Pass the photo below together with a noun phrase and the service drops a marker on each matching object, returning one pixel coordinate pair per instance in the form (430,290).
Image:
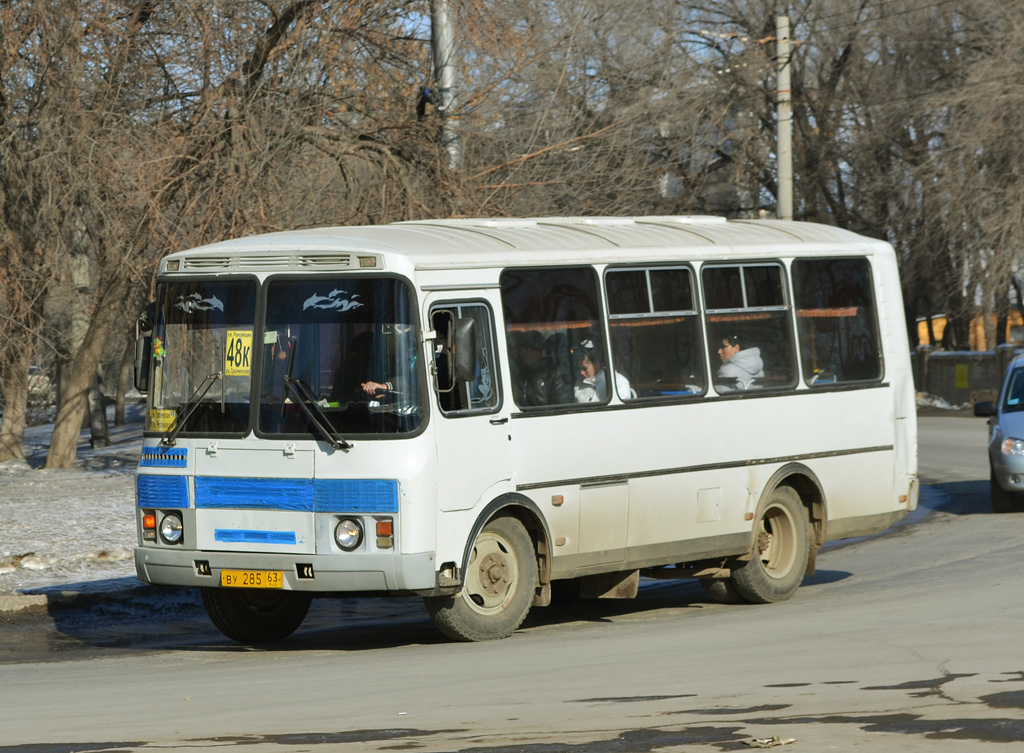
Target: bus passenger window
(750,336)
(655,331)
(549,313)
(838,329)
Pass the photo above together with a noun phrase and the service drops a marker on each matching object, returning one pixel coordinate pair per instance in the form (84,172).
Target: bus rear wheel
(497,589)
(721,590)
(255,615)
(781,549)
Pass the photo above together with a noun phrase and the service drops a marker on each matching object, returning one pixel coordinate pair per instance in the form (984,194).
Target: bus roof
(437,244)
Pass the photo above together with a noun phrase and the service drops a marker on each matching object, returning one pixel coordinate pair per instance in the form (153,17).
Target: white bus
(470,410)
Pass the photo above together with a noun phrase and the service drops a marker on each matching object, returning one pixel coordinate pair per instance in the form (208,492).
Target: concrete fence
(961,377)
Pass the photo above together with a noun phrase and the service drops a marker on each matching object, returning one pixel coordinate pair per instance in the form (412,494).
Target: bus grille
(282,261)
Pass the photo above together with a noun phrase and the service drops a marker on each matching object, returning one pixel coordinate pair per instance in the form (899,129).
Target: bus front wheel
(497,589)
(253,615)
(781,550)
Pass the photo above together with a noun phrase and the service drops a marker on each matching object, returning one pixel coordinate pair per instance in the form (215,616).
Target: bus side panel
(695,471)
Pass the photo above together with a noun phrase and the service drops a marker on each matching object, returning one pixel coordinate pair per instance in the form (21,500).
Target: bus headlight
(171,528)
(348,533)
(1013,446)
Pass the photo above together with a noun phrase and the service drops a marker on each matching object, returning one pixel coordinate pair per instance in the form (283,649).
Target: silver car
(1006,439)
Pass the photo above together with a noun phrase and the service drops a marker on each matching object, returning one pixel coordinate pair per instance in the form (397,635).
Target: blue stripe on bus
(230,536)
(355,495)
(299,495)
(214,492)
(162,491)
(164,457)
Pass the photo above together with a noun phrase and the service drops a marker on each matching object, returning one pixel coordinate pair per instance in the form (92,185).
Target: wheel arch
(528,513)
(805,483)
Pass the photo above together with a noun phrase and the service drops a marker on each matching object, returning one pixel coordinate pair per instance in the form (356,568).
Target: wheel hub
(494,577)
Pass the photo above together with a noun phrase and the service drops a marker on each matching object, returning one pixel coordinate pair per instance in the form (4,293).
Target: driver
(404,380)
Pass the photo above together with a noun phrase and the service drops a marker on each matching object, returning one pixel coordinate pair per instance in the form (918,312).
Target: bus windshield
(346,348)
(202,344)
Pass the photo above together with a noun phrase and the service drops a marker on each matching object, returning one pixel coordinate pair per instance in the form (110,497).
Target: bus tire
(781,549)
(721,590)
(1002,500)
(255,615)
(497,588)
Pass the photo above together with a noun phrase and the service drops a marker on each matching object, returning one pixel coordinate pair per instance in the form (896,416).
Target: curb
(14,603)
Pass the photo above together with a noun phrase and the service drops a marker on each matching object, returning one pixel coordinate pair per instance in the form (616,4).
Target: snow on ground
(924,400)
(70,526)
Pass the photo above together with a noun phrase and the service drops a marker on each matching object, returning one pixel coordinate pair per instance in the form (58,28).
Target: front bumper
(313,573)
(1008,470)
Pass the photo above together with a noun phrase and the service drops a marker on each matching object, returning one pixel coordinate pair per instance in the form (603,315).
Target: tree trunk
(99,434)
(72,411)
(14,373)
(125,377)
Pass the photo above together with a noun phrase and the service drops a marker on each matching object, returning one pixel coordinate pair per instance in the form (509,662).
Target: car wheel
(1002,500)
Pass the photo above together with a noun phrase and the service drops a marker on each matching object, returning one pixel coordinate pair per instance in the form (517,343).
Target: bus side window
(552,316)
(655,331)
(749,331)
(479,394)
(836,320)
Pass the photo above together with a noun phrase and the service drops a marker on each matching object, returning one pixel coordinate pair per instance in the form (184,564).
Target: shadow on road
(956,498)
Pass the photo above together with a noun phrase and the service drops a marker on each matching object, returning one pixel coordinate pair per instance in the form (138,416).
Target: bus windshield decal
(196,302)
(332,300)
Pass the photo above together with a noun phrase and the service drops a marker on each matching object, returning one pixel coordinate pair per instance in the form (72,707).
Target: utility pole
(442,39)
(784,117)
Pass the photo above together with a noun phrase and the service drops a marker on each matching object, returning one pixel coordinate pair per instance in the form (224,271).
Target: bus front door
(473,448)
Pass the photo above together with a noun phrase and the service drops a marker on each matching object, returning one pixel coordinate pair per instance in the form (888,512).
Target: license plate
(252,578)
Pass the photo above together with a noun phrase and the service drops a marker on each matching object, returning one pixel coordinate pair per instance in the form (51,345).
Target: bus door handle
(499,421)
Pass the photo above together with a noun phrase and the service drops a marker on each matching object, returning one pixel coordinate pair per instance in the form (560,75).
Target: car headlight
(348,533)
(1012,446)
(171,528)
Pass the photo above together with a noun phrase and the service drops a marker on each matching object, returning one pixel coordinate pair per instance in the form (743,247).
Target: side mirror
(985,408)
(455,350)
(144,347)
(464,350)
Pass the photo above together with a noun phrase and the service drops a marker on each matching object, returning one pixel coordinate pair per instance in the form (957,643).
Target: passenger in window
(740,366)
(536,379)
(593,384)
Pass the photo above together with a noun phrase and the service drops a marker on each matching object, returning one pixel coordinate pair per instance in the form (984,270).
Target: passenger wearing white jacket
(593,384)
(740,366)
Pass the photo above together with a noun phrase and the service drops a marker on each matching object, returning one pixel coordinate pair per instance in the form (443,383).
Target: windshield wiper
(315,414)
(167,440)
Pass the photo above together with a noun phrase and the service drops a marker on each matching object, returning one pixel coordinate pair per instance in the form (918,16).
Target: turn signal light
(149,527)
(385,534)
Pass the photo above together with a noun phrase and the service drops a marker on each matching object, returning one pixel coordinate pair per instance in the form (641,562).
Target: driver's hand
(373,389)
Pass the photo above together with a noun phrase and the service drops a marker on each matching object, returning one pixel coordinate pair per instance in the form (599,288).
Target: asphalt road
(907,641)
